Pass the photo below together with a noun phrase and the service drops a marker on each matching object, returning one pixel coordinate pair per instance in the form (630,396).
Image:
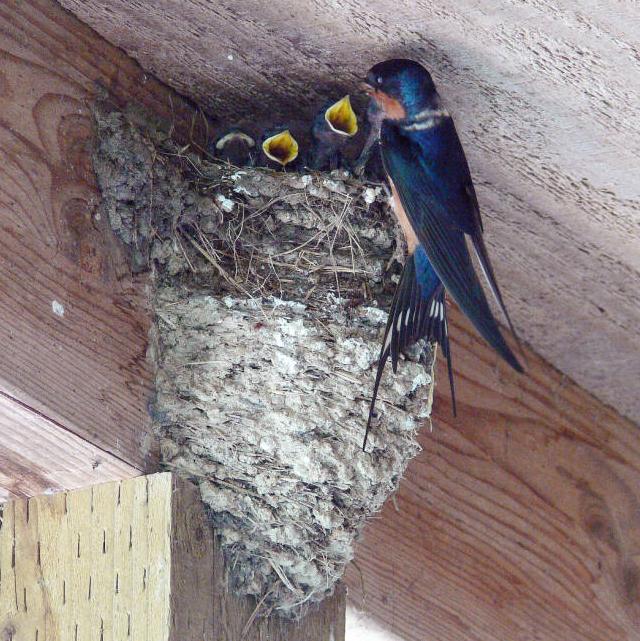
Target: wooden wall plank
(519,520)
(74,324)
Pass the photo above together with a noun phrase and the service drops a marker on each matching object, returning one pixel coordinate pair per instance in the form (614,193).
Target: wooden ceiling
(545,96)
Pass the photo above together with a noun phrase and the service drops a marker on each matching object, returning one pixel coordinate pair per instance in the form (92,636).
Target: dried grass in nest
(266,340)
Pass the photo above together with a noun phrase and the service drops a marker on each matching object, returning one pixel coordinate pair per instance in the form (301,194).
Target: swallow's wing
(440,225)
(440,155)
(418,311)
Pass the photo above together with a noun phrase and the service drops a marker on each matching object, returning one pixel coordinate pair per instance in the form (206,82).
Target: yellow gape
(341,117)
(281,147)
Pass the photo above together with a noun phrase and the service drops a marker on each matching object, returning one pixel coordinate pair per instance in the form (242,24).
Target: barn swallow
(235,147)
(434,201)
(332,127)
(280,147)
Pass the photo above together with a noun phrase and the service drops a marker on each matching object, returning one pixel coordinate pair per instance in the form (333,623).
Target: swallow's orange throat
(391,107)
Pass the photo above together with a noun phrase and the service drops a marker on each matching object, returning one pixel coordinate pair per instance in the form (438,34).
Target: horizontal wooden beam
(131,559)
(39,456)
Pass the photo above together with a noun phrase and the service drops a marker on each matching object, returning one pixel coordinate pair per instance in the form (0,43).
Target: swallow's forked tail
(418,311)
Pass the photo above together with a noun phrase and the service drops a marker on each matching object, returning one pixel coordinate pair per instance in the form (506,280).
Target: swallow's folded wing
(440,235)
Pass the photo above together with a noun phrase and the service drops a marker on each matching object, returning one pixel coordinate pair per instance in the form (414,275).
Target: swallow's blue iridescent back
(439,211)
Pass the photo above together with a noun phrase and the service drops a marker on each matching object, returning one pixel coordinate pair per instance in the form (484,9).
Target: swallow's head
(235,147)
(401,88)
(341,118)
(234,136)
(282,147)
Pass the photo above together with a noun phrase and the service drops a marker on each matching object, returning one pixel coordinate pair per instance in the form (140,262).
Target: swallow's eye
(379,80)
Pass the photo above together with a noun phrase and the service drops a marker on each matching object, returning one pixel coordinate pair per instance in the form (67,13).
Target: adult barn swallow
(435,203)
(332,127)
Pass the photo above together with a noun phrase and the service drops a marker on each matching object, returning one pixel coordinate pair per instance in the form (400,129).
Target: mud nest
(270,291)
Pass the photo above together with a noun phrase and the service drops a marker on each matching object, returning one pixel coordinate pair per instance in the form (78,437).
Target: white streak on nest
(226,204)
(369,195)
(266,406)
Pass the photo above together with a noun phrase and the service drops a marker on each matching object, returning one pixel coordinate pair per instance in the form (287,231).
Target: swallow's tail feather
(418,311)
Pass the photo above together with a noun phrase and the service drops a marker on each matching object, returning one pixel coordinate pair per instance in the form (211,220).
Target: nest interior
(270,291)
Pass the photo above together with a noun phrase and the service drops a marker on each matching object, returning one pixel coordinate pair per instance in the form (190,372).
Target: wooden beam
(520,520)
(129,560)
(39,456)
(74,324)
(108,562)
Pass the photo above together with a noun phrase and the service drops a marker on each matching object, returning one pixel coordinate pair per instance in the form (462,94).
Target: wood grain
(519,520)
(74,324)
(39,456)
(100,563)
(543,93)
(131,559)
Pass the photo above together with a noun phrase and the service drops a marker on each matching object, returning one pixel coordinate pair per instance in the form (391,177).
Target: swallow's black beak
(341,117)
(281,148)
